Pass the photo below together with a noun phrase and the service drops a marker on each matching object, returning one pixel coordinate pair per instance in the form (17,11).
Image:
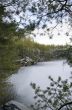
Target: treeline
(39,52)
(28,48)
(69,55)
(17,49)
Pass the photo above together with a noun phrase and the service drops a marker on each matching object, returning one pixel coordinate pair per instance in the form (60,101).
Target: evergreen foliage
(56,96)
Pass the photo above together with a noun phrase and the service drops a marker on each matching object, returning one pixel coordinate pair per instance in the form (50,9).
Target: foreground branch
(68,103)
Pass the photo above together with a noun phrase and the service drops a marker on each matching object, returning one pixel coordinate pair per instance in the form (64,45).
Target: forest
(18,49)
(18,19)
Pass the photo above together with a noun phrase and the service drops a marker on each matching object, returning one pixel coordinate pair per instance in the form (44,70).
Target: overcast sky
(61,39)
(55,40)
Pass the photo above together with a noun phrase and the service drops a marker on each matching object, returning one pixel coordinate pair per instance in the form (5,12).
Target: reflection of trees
(69,55)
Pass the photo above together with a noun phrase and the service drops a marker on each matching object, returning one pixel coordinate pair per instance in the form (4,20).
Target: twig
(68,103)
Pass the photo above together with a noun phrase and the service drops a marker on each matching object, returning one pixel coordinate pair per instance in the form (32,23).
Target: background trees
(29,14)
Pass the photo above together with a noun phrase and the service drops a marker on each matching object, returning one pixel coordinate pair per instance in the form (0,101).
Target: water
(38,74)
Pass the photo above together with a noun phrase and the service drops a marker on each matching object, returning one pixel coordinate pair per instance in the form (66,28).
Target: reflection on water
(38,74)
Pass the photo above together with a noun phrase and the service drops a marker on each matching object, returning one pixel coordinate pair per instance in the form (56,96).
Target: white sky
(61,39)
(58,40)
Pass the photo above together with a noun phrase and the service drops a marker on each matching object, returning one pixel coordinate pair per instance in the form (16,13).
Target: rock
(14,105)
(26,61)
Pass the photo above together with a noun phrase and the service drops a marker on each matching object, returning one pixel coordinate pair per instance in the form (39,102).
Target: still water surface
(38,74)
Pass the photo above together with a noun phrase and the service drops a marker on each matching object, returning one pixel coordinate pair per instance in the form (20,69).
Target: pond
(37,74)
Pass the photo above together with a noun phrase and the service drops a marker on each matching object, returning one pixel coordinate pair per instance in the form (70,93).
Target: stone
(14,105)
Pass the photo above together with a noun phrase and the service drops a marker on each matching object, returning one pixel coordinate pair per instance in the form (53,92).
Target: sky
(56,40)
(61,39)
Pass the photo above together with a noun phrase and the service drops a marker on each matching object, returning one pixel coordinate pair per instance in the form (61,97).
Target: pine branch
(68,103)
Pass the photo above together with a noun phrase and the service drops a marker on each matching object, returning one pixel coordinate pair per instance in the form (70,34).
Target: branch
(68,103)
(61,9)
